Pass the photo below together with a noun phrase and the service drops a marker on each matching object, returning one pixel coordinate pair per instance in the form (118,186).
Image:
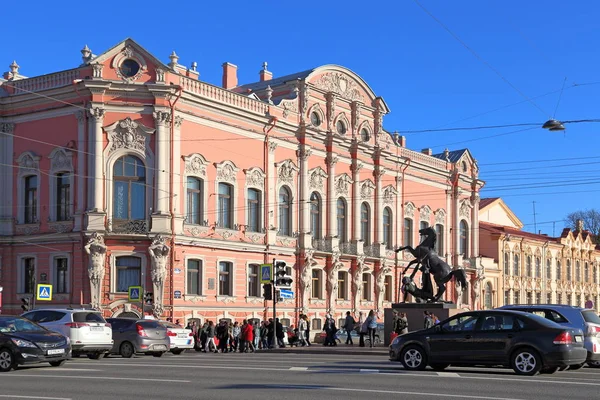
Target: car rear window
(169,325)
(150,324)
(591,317)
(87,317)
(543,321)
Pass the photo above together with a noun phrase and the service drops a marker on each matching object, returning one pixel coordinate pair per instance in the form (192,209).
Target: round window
(315,119)
(341,127)
(364,135)
(129,68)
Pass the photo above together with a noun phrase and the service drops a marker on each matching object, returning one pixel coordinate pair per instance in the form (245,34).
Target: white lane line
(370,371)
(15,396)
(65,369)
(299,369)
(449,374)
(109,378)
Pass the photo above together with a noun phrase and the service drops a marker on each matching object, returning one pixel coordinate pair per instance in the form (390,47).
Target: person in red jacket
(248,337)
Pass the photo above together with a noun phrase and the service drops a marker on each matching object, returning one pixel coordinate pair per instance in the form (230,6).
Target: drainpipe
(402,205)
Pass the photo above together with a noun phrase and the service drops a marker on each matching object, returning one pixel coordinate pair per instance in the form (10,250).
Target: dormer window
(464,166)
(315,119)
(364,135)
(129,68)
(340,127)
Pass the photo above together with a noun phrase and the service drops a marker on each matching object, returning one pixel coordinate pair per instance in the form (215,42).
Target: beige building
(527,268)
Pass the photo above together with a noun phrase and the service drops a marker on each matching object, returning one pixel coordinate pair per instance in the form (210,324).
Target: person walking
(349,327)
(302,331)
(279,333)
(210,337)
(307,330)
(248,337)
(241,341)
(362,329)
(235,333)
(371,323)
(403,324)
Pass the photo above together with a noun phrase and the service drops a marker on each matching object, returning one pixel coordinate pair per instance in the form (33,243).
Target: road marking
(111,378)
(299,369)
(371,371)
(449,374)
(14,396)
(63,369)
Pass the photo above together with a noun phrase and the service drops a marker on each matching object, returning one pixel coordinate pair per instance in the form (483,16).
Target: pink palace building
(124,171)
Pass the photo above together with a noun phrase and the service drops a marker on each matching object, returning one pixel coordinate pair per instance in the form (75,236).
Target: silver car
(574,317)
(133,336)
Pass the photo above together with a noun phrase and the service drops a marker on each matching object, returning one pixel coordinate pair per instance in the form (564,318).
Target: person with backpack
(349,327)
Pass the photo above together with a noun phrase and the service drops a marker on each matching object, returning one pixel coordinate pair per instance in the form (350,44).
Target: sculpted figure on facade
(96,250)
(159,256)
(380,285)
(479,277)
(357,282)
(332,280)
(306,278)
(458,292)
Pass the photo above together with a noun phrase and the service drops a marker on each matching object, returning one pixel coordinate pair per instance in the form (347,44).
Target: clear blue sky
(427,77)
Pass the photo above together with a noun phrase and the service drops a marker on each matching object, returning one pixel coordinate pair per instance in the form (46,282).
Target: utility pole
(274,309)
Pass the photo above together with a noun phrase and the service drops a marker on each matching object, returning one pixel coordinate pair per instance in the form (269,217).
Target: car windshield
(590,316)
(11,325)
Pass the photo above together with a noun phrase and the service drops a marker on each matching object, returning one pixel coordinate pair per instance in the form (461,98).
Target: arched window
(129,180)
(365,224)
(569,270)
(528,266)
(577,271)
(423,224)
(558,270)
(225,206)
(387,228)
(464,239)
(285,212)
(341,220)
(538,267)
(506,263)
(516,267)
(586,272)
(548,268)
(408,232)
(488,301)
(195,201)
(315,215)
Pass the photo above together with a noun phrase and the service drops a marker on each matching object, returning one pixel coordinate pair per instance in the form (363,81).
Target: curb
(343,351)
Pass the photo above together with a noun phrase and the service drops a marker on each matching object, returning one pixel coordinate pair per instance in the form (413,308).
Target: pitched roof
(453,156)
(483,203)
(507,230)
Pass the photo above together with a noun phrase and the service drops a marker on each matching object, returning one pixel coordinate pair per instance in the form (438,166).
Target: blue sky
(427,77)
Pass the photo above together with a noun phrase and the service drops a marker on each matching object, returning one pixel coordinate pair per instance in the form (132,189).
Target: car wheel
(549,370)
(575,367)
(7,361)
(95,356)
(413,358)
(526,361)
(439,367)
(126,350)
(58,363)
(177,351)
(158,354)
(594,364)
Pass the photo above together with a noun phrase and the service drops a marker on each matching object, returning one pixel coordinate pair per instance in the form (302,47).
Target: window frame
(366,286)
(365,223)
(230,278)
(342,220)
(439,244)
(190,195)
(63,196)
(130,181)
(117,268)
(284,219)
(31,194)
(342,285)
(317,284)
(256,205)
(315,211)
(199,277)
(408,231)
(225,206)
(55,281)
(463,238)
(388,228)
(256,283)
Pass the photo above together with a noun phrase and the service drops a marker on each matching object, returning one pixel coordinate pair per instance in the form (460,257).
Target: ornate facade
(126,171)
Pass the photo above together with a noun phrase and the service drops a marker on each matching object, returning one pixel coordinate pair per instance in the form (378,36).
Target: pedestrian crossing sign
(135,293)
(266,273)
(44,292)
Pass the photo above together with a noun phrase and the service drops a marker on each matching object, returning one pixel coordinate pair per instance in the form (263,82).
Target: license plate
(56,351)
(96,328)
(182,335)
(578,339)
(160,347)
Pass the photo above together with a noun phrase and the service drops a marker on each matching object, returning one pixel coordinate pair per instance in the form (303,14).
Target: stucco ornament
(332,280)
(317,179)
(409,210)
(465,208)
(255,178)
(286,172)
(159,256)
(479,277)
(425,213)
(195,164)
(96,250)
(366,189)
(306,278)
(342,185)
(357,282)
(128,134)
(380,285)
(226,172)
(389,194)
(339,83)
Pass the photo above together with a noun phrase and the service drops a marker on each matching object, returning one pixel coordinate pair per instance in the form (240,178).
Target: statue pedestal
(415,316)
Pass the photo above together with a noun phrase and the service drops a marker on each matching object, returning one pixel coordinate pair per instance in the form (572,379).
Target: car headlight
(23,343)
(396,340)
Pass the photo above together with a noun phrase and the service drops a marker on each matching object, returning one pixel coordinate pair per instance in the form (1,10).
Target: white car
(88,331)
(181,338)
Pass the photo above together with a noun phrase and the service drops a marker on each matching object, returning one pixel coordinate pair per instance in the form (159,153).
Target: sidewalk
(340,349)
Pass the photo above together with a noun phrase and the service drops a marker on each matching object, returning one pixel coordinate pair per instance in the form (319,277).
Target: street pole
(274,308)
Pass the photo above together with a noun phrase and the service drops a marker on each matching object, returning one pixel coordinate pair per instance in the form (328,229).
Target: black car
(525,342)
(25,342)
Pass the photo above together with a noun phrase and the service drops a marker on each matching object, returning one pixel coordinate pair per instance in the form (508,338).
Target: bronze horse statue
(431,264)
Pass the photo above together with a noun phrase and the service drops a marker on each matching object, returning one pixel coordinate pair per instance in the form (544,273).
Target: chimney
(579,225)
(229,75)
(401,141)
(264,74)
(427,151)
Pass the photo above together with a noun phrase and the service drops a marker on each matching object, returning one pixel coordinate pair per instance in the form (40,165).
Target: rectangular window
(61,275)
(195,201)
(316,283)
(388,288)
(538,298)
(342,285)
(408,232)
(517,299)
(253,210)
(507,297)
(28,277)
(529,298)
(31,200)
(225,206)
(439,244)
(225,269)
(63,197)
(194,277)
(129,271)
(548,268)
(253,281)
(316,325)
(548,298)
(366,282)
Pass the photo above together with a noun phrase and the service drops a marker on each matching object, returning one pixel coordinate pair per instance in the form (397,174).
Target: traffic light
(26,306)
(282,279)
(148,298)
(268,291)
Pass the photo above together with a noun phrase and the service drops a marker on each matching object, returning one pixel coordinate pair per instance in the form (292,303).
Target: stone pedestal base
(95,221)
(161,223)
(415,316)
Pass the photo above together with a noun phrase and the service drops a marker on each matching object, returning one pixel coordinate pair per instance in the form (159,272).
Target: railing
(348,248)
(423,158)
(371,251)
(321,244)
(223,96)
(139,226)
(50,81)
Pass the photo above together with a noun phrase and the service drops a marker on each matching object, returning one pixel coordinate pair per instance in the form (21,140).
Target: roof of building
(483,203)
(507,230)
(452,156)
(273,82)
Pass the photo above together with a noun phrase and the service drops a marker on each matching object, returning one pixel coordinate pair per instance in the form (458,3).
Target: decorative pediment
(425,213)
(128,134)
(389,195)
(465,208)
(440,216)
(255,178)
(317,177)
(409,209)
(366,189)
(195,164)
(286,171)
(28,163)
(340,84)
(61,160)
(342,185)
(226,172)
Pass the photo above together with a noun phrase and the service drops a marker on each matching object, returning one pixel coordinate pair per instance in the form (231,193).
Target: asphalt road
(271,375)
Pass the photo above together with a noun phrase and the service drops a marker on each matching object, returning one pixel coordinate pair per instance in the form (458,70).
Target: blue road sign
(286,294)
(44,292)
(266,273)
(135,293)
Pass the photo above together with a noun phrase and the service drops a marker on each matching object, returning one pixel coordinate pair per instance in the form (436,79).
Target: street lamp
(556,125)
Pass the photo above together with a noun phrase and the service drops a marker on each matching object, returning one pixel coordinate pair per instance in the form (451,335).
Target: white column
(356,167)
(331,160)
(6,178)
(81,157)
(304,208)
(378,214)
(162,193)
(272,200)
(96,176)
(475,229)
